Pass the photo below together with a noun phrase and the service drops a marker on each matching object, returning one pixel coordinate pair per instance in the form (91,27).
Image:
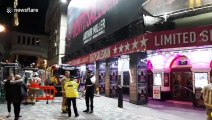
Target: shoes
(16,119)
(69,115)
(19,116)
(86,110)
(64,111)
(8,116)
(91,111)
(76,115)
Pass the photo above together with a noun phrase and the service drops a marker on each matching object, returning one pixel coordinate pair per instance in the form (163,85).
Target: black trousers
(73,100)
(17,108)
(89,95)
(9,105)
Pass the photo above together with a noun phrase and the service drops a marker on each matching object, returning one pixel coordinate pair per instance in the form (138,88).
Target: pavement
(106,109)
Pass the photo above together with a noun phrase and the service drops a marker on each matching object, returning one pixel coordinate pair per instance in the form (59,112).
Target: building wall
(4,45)
(13,44)
(56,26)
(28,44)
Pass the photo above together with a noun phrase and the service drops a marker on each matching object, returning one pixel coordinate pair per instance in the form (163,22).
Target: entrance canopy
(180,38)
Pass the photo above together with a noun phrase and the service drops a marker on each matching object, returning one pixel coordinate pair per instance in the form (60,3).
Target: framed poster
(142,92)
(142,74)
(156,92)
(102,77)
(157,79)
(142,83)
(166,80)
(200,79)
(113,77)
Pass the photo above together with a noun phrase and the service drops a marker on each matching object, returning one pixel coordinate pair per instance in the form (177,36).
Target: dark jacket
(8,90)
(19,90)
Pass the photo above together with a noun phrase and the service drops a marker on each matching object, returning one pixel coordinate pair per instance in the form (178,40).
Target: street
(106,109)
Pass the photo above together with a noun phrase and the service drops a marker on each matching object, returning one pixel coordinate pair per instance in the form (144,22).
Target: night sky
(28,22)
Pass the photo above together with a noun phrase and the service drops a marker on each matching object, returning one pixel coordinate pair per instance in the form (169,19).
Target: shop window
(28,40)
(37,42)
(33,41)
(19,40)
(24,40)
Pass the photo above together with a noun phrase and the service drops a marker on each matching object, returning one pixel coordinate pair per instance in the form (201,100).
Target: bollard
(120,97)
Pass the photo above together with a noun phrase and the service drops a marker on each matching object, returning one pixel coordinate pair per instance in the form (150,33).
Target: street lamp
(2,28)
(63,1)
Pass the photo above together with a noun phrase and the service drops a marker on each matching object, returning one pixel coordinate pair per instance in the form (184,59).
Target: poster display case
(166,80)
(113,77)
(102,77)
(142,83)
(157,79)
(200,80)
(156,92)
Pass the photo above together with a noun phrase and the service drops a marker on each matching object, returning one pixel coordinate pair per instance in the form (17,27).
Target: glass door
(182,86)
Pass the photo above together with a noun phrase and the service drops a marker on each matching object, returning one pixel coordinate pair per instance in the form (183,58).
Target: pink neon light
(200,59)
(179,58)
(158,61)
(149,65)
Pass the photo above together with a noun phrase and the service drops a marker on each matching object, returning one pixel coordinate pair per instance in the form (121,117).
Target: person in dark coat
(89,94)
(7,88)
(19,91)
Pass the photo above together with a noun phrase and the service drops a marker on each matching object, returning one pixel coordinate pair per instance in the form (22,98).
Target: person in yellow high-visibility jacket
(207,97)
(71,92)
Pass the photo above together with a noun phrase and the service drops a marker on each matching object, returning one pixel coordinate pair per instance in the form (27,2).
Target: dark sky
(32,22)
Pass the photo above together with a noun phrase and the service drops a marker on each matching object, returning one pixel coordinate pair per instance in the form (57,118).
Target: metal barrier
(48,93)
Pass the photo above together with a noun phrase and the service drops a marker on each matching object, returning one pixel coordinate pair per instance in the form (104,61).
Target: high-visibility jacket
(63,81)
(207,95)
(71,89)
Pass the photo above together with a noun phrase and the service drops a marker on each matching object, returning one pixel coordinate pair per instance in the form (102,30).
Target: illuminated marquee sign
(92,20)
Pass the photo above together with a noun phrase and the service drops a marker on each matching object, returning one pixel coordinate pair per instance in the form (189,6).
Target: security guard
(71,91)
(89,94)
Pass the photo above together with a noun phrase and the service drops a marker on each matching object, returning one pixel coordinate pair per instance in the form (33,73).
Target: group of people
(70,93)
(15,91)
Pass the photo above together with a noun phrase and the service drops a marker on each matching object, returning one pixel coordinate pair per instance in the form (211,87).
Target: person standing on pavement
(71,91)
(19,90)
(8,91)
(63,81)
(207,97)
(89,94)
(37,81)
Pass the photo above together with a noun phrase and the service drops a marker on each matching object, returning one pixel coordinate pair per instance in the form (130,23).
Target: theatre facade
(165,64)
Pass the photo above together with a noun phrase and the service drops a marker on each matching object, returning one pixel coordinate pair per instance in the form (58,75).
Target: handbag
(24,92)
(93,79)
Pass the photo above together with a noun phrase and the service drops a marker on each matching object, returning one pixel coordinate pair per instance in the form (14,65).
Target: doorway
(182,85)
(124,75)
(150,83)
